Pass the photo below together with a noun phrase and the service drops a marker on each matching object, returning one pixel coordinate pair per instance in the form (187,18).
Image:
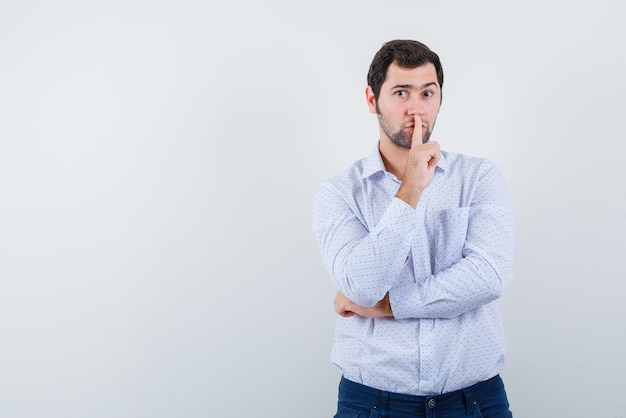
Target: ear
(371,100)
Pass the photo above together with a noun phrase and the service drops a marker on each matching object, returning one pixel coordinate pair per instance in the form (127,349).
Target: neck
(394,157)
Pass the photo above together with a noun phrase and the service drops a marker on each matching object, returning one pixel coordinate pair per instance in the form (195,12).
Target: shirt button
(432,403)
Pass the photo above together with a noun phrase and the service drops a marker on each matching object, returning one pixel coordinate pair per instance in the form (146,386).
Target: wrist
(386,306)
(409,193)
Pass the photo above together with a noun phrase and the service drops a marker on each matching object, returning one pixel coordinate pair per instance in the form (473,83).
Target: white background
(157,161)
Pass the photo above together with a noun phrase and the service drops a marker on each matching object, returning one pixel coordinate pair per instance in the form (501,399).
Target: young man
(419,242)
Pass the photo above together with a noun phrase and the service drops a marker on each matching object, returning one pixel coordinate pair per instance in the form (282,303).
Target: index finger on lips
(417,131)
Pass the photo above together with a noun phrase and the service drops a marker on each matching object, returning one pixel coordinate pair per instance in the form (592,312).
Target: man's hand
(420,166)
(346,308)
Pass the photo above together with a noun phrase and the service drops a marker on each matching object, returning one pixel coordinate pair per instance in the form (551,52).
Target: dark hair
(406,54)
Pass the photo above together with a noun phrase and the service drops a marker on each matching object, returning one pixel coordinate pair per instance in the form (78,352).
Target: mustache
(411,124)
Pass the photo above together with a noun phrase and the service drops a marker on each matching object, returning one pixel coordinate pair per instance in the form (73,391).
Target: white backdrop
(157,161)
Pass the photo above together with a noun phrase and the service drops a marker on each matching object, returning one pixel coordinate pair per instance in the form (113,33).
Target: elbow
(365,296)
(493,291)
(492,278)
(362,290)
(498,282)
(361,285)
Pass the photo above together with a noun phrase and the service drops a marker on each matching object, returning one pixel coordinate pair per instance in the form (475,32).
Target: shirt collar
(374,163)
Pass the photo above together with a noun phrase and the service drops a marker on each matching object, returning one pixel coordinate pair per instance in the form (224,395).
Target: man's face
(405,93)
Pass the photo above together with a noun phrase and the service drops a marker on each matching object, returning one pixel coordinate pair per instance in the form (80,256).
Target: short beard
(401,138)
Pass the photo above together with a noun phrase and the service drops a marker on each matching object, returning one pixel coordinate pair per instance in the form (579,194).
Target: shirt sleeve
(363,263)
(484,268)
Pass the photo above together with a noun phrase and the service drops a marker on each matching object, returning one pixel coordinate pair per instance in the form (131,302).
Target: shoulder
(348,179)
(339,192)
(456,159)
(479,175)
(467,165)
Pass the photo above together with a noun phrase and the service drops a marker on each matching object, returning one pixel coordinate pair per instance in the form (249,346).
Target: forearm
(364,259)
(469,284)
(366,268)
(346,308)
(477,278)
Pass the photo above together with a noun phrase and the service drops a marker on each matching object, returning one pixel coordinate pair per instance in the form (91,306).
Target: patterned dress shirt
(444,264)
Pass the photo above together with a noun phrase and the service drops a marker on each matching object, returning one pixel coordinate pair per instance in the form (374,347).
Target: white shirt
(444,264)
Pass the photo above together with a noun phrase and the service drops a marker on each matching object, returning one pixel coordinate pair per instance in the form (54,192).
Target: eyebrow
(408,86)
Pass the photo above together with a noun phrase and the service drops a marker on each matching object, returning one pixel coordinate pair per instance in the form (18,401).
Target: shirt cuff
(401,219)
(405,301)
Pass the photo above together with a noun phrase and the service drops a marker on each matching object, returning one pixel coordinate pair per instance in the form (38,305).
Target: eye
(428,93)
(401,93)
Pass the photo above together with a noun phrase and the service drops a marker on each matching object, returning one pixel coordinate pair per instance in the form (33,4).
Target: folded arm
(478,276)
(363,263)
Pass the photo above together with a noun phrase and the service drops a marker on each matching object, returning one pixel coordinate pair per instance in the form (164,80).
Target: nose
(416,108)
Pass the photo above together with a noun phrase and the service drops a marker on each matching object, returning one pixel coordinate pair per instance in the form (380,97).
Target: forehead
(423,74)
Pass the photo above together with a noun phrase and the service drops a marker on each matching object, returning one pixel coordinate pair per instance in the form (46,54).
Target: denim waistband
(462,398)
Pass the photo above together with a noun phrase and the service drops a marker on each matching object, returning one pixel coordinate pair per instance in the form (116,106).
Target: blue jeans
(483,400)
